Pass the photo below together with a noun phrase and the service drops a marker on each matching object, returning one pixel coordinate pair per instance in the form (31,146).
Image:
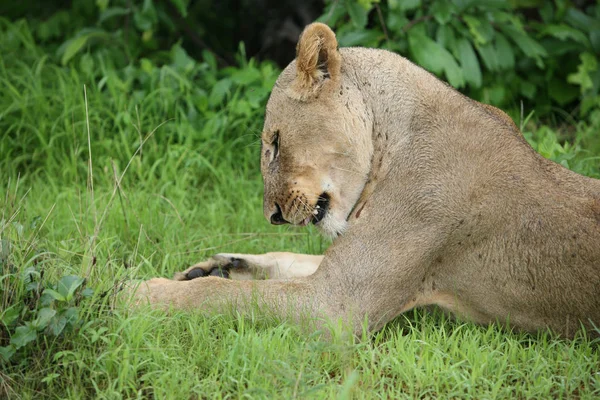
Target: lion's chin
(332,226)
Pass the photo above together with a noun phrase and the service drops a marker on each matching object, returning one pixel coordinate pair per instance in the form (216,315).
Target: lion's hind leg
(277,265)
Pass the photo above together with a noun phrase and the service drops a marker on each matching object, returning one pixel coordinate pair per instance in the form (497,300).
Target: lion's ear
(318,60)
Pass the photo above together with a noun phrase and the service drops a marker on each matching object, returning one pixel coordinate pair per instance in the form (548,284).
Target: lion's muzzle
(277,216)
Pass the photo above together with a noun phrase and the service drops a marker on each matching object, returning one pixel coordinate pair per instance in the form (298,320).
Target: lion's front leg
(276,265)
(293,300)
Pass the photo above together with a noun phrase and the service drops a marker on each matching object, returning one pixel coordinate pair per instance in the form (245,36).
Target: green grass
(192,190)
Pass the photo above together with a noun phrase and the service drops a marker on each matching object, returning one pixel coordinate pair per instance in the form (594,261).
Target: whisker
(317,198)
(255,143)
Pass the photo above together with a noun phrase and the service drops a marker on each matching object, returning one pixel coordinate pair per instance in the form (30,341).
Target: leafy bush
(33,304)
(499,52)
(49,310)
(142,28)
(538,52)
(577,149)
(130,29)
(147,95)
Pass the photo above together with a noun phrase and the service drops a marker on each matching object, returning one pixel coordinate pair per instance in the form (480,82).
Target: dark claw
(219,272)
(196,273)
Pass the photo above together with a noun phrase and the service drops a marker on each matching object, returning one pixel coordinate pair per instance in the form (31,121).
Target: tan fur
(274,265)
(434,199)
(318,61)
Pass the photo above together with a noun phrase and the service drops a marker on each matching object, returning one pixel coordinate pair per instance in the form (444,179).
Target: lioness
(433,199)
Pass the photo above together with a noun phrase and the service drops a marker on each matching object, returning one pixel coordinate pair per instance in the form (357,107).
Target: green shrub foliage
(537,54)
(542,53)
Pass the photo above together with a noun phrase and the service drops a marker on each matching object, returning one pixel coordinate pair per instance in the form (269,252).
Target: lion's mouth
(318,212)
(320,209)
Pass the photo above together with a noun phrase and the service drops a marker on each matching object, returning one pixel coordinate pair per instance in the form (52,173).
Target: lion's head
(316,142)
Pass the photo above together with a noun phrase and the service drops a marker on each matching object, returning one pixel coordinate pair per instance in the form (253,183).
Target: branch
(412,23)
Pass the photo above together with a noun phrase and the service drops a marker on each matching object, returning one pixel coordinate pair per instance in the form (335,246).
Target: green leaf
(362,37)
(367,4)
(453,72)
(73,47)
(481,30)
(255,97)
(180,58)
(469,62)
(57,324)
(210,59)
(7,352)
(49,378)
(332,13)
(462,5)
(489,56)
(497,93)
(68,285)
(357,13)
(219,91)
(582,77)
(506,56)
(589,103)
(22,336)
(442,11)
(87,65)
(55,295)
(433,57)
(503,18)
(406,5)
(30,274)
(43,318)
(562,92)
(146,65)
(32,287)
(556,47)
(71,314)
(396,21)
(102,4)
(246,76)
(530,47)
(548,146)
(111,13)
(528,89)
(182,6)
(146,18)
(446,37)
(425,53)
(577,18)
(46,299)
(546,12)
(10,314)
(595,40)
(564,32)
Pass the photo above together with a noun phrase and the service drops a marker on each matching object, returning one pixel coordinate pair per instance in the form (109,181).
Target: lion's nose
(277,217)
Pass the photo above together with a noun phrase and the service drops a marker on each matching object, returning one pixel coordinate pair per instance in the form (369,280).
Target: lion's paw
(221,272)
(219,265)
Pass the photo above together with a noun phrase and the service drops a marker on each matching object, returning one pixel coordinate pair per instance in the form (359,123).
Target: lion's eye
(275,144)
